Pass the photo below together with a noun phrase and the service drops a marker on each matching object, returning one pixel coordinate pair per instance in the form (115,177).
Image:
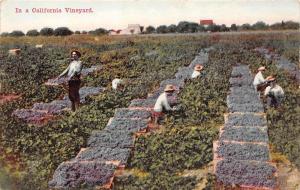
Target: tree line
(181,27)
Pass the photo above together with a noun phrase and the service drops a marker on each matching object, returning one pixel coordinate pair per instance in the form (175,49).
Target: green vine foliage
(186,140)
(283,123)
(188,134)
(42,149)
(155,181)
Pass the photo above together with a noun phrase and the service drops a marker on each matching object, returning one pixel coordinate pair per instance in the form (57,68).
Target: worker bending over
(117,84)
(274,93)
(197,71)
(162,105)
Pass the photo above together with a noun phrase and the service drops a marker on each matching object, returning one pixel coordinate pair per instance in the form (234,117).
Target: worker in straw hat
(273,92)
(73,72)
(259,82)
(197,71)
(162,105)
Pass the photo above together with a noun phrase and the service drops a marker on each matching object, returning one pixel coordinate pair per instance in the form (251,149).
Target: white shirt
(258,79)
(276,91)
(115,83)
(75,67)
(162,102)
(195,74)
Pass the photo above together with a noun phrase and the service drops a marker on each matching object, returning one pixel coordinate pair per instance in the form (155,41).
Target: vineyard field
(109,141)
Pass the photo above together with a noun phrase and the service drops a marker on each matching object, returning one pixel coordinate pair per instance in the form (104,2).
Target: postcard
(149,94)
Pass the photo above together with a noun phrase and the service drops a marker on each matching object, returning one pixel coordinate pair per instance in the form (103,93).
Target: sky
(117,14)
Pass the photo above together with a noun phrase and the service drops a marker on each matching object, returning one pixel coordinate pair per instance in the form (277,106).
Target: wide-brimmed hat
(169,88)
(261,68)
(270,78)
(198,67)
(77,53)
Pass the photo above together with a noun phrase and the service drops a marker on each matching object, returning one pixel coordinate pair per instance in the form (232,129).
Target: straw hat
(14,51)
(271,78)
(169,88)
(77,52)
(198,67)
(261,68)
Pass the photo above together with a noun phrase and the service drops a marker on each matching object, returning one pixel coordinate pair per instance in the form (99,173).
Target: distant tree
(233,27)
(142,28)
(161,29)
(277,26)
(200,28)
(291,25)
(32,33)
(77,32)
(46,31)
(62,31)
(16,33)
(224,28)
(150,29)
(99,31)
(192,27)
(4,34)
(84,32)
(246,27)
(260,25)
(183,27)
(171,28)
(214,28)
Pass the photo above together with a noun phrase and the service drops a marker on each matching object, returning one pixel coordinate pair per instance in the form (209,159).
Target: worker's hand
(174,109)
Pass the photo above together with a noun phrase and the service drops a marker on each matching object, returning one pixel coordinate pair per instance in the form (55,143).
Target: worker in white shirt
(162,105)
(197,71)
(117,84)
(259,82)
(73,72)
(273,92)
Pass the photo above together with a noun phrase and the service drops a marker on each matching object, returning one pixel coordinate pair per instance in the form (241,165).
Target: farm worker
(73,72)
(197,71)
(274,93)
(117,84)
(259,81)
(162,105)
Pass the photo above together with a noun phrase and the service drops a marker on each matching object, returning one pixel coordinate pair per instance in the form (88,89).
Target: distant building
(206,22)
(131,29)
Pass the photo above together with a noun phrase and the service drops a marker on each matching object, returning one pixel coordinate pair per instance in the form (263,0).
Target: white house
(131,29)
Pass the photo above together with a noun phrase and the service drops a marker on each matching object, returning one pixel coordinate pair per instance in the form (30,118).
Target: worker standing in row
(73,72)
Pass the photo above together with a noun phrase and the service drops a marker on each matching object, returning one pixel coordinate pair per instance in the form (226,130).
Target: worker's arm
(281,92)
(267,91)
(166,103)
(64,72)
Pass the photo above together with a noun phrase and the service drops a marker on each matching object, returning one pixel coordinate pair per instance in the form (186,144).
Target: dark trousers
(74,86)
(273,102)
